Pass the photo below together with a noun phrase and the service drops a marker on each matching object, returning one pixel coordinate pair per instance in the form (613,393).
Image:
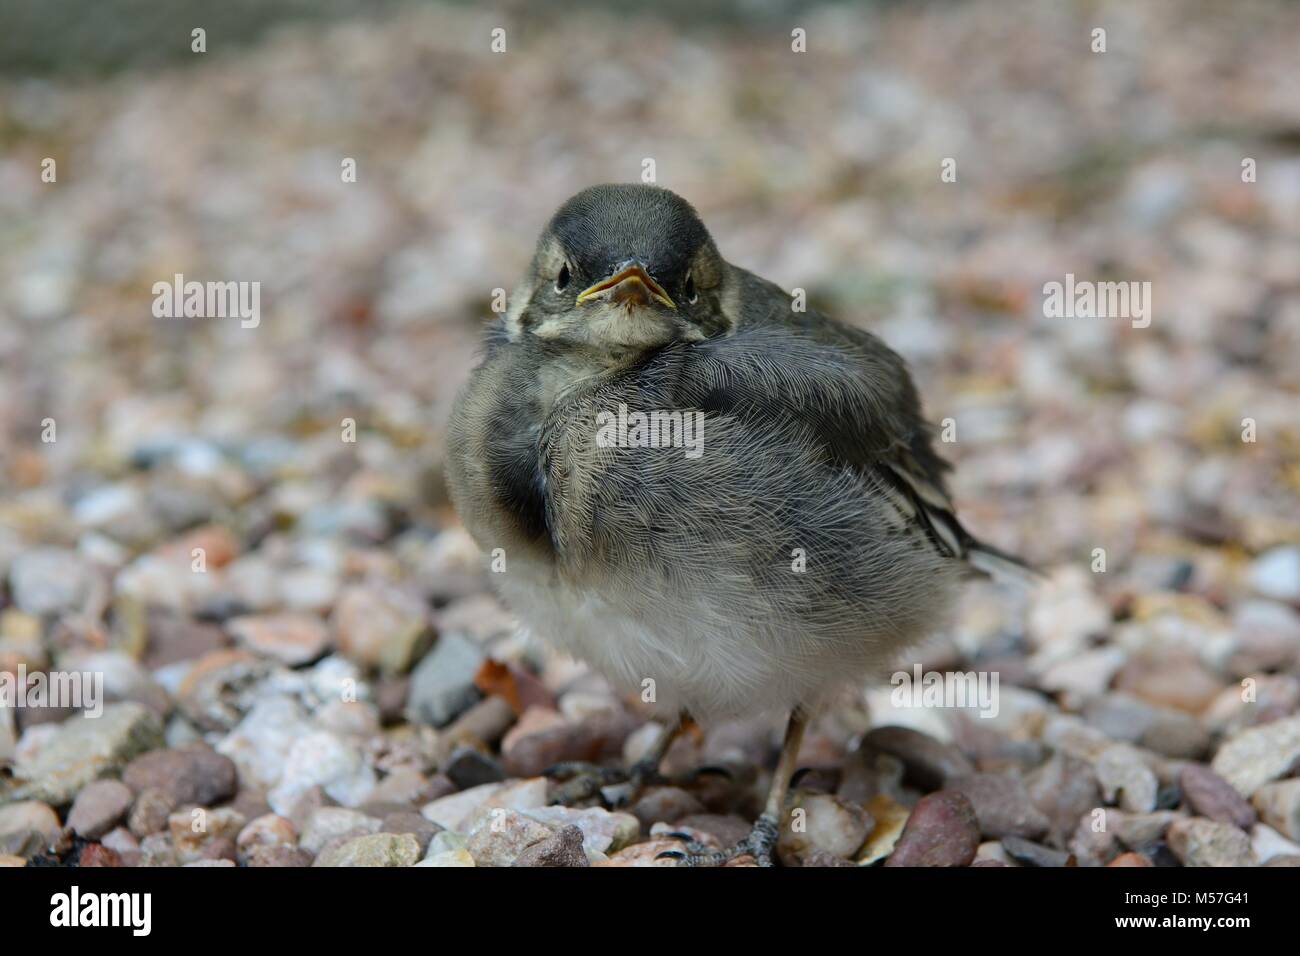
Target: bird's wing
(856,395)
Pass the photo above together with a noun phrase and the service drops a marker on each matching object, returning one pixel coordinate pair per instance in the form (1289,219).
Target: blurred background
(329,559)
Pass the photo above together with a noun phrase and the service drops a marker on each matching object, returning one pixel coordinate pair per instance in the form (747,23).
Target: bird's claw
(759,844)
(616,787)
(570,769)
(580,781)
(710,770)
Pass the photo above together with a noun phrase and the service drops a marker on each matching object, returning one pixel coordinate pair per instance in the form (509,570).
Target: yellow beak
(631,284)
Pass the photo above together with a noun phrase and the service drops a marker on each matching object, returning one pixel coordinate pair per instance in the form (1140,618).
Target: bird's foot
(759,844)
(616,786)
(577,781)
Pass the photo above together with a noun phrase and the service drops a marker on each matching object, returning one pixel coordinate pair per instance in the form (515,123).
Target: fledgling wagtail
(696,488)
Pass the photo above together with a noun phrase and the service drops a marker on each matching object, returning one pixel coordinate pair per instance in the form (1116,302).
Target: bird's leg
(762,838)
(584,780)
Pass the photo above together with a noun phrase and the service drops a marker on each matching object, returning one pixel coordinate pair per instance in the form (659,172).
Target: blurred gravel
(335,686)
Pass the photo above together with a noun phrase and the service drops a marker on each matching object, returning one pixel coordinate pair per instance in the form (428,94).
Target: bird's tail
(998,564)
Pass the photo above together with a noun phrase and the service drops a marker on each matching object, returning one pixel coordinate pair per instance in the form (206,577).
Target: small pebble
(194,773)
(329,823)
(928,763)
(1033,854)
(28,828)
(499,836)
(96,854)
(408,821)
(1266,843)
(1002,805)
(1258,755)
(469,767)
(442,684)
(941,831)
(1209,795)
(1125,778)
(822,822)
(1201,842)
(376,849)
(1279,806)
(99,808)
(291,639)
(563,848)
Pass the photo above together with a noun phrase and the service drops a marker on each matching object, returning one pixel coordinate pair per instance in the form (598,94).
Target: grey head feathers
(604,226)
(621,269)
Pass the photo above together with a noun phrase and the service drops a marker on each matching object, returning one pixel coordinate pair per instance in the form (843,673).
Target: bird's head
(622,268)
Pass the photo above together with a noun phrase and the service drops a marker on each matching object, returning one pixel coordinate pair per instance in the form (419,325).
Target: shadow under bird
(807,541)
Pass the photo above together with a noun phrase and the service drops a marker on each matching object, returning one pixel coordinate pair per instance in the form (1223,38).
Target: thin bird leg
(647,768)
(762,838)
(585,780)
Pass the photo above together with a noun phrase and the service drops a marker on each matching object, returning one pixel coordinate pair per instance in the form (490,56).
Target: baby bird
(718,501)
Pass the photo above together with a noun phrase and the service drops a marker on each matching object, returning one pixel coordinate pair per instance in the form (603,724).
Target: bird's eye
(563,278)
(692,294)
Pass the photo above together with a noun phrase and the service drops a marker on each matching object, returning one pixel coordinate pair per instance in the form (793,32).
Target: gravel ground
(330,682)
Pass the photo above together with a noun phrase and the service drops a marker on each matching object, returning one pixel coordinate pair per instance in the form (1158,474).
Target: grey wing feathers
(933,512)
(857,396)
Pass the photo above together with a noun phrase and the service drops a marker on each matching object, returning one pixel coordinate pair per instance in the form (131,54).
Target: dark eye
(563,278)
(692,295)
